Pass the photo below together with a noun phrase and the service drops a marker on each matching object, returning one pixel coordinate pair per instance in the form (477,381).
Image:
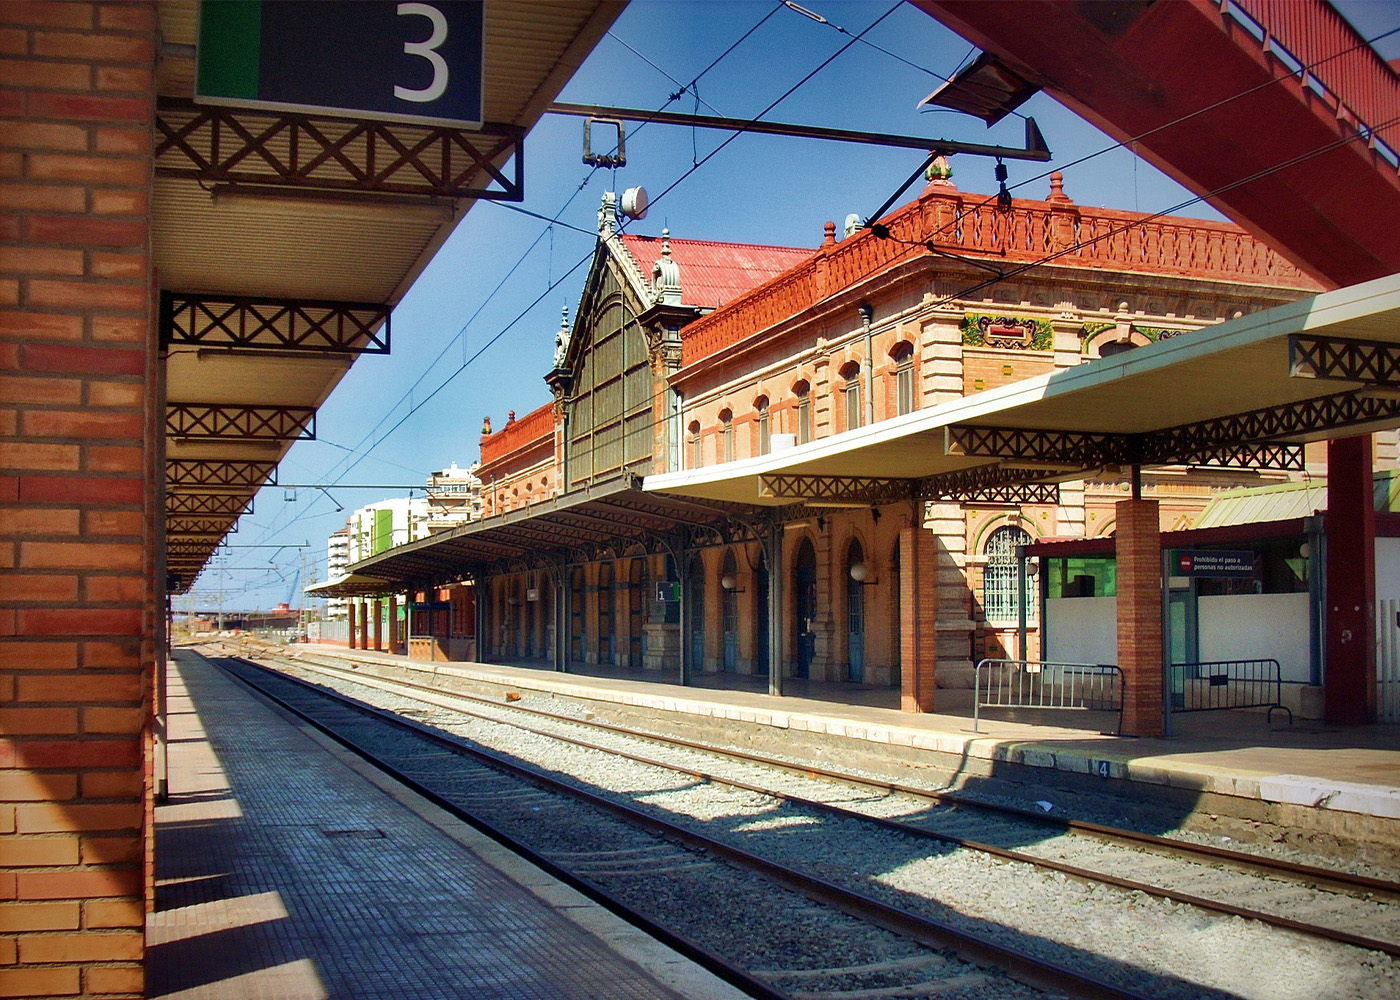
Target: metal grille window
(695,457)
(764,430)
(1000,586)
(726,420)
(851,373)
(904,378)
(803,393)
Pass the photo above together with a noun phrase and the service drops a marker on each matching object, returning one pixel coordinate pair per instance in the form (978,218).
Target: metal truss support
(988,484)
(1288,457)
(836,489)
(214,475)
(308,325)
(217,145)
(1351,360)
(198,527)
(1075,449)
(189,552)
(213,421)
(1192,444)
(208,504)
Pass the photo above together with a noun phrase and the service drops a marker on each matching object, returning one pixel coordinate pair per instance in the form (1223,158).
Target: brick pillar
(79,517)
(1138,547)
(1349,682)
(918,606)
(351,614)
(364,625)
(377,610)
(394,624)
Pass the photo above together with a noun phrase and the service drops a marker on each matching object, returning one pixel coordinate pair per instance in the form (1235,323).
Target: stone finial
(1057,188)
(607,215)
(666,275)
(510,417)
(561,340)
(485,426)
(829,234)
(939,173)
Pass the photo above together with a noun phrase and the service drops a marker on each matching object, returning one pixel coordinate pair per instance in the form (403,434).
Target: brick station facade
(860,329)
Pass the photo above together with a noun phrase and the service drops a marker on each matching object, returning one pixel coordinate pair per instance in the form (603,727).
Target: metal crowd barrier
(1224,684)
(1092,687)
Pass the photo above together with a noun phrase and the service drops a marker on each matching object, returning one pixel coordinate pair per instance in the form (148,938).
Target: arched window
(903,357)
(851,395)
(694,432)
(802,392)
(1000,583)
(726,425)
(765,439)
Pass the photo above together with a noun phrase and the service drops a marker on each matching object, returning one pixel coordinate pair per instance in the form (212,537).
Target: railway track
(1316,902)
(898,953)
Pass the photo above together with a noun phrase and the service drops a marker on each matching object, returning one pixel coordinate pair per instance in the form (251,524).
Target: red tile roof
(714,273)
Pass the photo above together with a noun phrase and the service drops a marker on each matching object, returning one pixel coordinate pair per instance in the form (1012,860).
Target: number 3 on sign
(427,50)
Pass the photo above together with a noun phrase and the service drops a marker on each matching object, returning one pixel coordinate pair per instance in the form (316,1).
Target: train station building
(853,441)
(631,523)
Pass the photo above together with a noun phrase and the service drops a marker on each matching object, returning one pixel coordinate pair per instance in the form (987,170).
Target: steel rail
(1022,966)
(1298,871)
(1074,871)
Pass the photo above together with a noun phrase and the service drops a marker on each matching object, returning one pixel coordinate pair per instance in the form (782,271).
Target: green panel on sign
(230,43)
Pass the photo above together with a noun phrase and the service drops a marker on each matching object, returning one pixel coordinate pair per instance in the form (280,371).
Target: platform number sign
(1103,768)
(377,59)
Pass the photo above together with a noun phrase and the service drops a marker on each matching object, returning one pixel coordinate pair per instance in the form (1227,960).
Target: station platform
(1232,774)
(287,867)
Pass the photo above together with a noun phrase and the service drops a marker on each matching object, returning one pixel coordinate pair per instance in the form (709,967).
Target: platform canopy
(1246,393)
(283,240)
(614,516)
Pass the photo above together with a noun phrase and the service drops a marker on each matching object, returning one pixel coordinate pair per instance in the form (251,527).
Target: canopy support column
(773,553)
(1138,548)
(351,622)
(393,604)
(377,610)
(1349,682)
(918,602)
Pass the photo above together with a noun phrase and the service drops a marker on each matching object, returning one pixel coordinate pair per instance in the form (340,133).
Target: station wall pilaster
(1138,548)
(80,524)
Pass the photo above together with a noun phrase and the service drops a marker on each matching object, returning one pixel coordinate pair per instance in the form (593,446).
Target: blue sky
(475,334)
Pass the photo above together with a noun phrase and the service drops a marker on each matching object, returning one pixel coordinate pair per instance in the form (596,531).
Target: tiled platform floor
(287,868)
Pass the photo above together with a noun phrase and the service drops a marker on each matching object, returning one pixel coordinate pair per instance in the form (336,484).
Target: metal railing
(1226,684)
(1041,684)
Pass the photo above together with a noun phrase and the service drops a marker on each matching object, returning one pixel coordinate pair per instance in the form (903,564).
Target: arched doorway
(578,620)
(606,626)
(760,596)
(855,611)
(896,620)
(804,584)
(695,613)
(729,585)
(639,579)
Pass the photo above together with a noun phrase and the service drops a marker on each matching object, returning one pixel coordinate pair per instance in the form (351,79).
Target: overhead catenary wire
(1020,269)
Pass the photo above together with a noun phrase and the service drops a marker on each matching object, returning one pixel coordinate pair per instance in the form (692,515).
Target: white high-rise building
(454,498)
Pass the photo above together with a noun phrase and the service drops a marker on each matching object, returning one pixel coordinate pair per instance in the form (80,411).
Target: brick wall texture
(1139,550)
(77,370)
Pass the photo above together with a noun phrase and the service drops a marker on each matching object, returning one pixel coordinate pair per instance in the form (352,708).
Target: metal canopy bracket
(213,475)
(212,505)
(215,421)
(836,489)
(274,324)
(1368,361)
(1051,448)
(219,145)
